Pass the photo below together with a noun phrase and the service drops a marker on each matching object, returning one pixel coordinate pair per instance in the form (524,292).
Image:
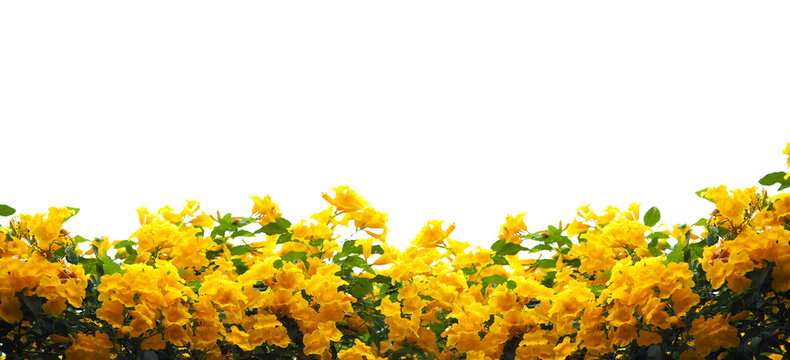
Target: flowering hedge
(610,284)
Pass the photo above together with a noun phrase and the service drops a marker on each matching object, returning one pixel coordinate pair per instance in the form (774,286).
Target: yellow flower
(240,338)
(268,210)
(144,216)
(153,342)
(10,308)
(317,341)
(787,152)
(89,347)
(432,235)
(369,219)
(513,226)
(367,246)
(712,334)
(359,351)
(733,203)
(345,200)
(203,220)
(111,312)
(576,227)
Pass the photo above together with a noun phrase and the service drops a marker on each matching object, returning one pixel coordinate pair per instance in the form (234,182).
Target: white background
(453,110)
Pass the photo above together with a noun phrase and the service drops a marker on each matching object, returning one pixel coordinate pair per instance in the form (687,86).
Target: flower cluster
(609,284)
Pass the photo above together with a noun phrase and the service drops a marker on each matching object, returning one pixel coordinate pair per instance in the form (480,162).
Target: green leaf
(74,210)
(240,250)
(6,210)
(758,277)
(284,238)
(713,237)
(285,224)
(497,245)
(700,192)
(240,266)
(701,222)
(658,235)
(502,247)
(382,279)
(124,243)
(272,228)
(110,267)
(695,250)
(676,255)
(776,177)
(33,303)
(89,265)
(655,352)
(596,289)
(493,279)
(652,216)
(541,247)
(243,233)
(654,250)
(358,262)
(360,287)
(72,257)
(294,255)
(499,260)
(79,239)
(545,264)
(150,355)
(548,280)
(195,285)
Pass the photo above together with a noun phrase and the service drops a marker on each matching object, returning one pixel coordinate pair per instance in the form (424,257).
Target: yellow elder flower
(144,216)
(238,337)
(268,210)
(369,219)
(576,227)
(787,152)
(317,341)
(202,220)
(391,254)
(633,212)
(10,308)
(513,226)
(781,277)
(360,351)
(88,347)
(432,235)
(170,215)
(46,228)
(345,200)
(367,246)
(731,204)
(154,342)
(712,334)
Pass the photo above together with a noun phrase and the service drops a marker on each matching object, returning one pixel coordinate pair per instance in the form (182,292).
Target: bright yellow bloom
(513,226)
(264,207)
(576,227)
(360,351)
(787,152)
(202,220)
(88,347)
(712,334)
(731,204)
(345,200)
(432,235)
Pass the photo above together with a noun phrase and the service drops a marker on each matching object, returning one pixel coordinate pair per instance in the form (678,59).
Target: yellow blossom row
(612,284)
